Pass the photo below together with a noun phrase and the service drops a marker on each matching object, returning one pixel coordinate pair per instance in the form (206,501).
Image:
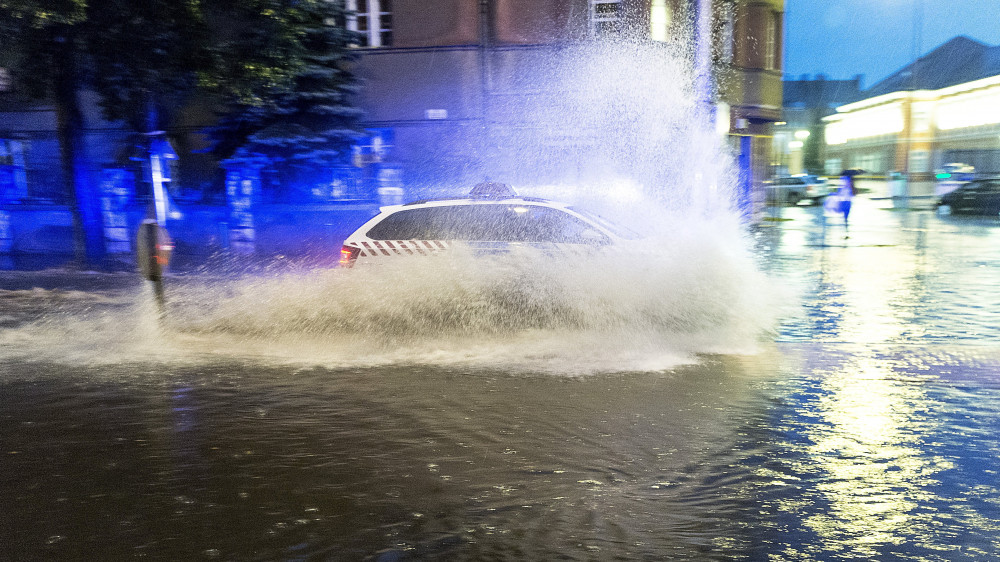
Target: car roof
(496,197)
(488,192)
(446,201)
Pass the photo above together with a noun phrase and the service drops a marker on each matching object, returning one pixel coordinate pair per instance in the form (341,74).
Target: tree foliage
(139,55)
(146,57)
(287,85)
(45,54)
(280,69)
(38,34)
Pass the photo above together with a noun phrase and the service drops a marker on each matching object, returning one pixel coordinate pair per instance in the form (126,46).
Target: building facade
(457,90)
(943,108)
(798,137)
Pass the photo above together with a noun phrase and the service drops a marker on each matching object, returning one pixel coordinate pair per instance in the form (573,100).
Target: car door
(970,198)
(989,200)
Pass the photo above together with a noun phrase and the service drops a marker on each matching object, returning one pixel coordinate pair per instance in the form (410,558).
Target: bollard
(153,248)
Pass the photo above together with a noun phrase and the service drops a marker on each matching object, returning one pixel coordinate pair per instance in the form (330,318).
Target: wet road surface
(864,426)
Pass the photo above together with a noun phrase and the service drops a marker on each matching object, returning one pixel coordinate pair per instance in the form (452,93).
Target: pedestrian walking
(840,201)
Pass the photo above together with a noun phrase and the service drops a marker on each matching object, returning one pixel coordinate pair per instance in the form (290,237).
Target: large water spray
(616,129)
(617,122)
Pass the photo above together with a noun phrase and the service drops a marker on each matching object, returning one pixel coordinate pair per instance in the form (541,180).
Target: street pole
(703,59)
(156,175)
(153,249)
(918,24)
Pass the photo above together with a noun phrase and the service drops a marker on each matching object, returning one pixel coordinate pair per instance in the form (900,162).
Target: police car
(492,219)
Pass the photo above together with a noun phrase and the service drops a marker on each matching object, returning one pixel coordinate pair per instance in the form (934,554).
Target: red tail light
(348,254)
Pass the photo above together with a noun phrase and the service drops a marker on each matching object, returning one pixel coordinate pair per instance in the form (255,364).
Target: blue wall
(42,235)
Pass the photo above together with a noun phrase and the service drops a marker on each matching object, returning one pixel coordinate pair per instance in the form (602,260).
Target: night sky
(842,38)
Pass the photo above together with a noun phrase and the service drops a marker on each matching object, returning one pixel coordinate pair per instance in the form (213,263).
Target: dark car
(979,197)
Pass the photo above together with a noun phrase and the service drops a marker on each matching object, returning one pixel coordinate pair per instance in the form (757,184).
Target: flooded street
(861,425)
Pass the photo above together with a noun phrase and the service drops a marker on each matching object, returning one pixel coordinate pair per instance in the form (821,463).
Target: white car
(791,190)
(492,219)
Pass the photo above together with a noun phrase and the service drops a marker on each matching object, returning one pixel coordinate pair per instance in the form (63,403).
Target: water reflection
(899,277)
(870,458)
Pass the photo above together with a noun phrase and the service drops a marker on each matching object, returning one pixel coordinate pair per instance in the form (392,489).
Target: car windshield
(507,222)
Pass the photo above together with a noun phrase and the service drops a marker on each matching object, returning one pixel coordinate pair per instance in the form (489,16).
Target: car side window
(543,224)
(408,224)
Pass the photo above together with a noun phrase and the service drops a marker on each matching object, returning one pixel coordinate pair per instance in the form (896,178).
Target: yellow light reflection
(874,284)
(874,473)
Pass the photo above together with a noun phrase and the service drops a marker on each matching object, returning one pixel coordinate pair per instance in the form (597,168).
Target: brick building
(460,89)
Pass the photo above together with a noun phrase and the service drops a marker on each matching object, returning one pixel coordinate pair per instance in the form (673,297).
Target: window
(873,162)
(5,80)
(725,27)
(605,16)
(770,42)
(13,177)
(374,148)
(920,161)
(373,20)
(659,20)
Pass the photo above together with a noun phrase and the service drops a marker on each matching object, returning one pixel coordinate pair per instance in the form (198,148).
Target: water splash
(650,306)
(611,121)
(615,128)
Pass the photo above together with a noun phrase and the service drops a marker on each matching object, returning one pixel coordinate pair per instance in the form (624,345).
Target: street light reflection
(873,471)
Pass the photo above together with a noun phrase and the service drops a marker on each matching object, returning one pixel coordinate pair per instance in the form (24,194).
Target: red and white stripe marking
(375,248)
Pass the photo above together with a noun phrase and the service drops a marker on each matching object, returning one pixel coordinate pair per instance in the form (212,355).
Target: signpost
(153,248)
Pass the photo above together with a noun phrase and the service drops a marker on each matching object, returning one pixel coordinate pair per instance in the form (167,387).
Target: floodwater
(818,398)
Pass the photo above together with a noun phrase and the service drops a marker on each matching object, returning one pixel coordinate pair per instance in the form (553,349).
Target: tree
(142,57)
(300,118)
(147,57)
(280,67)
(147,60)
(46,41)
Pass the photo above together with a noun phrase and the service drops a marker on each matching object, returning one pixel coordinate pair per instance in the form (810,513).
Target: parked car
(491,220)
(791,190)
(952,176)
(978,197)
